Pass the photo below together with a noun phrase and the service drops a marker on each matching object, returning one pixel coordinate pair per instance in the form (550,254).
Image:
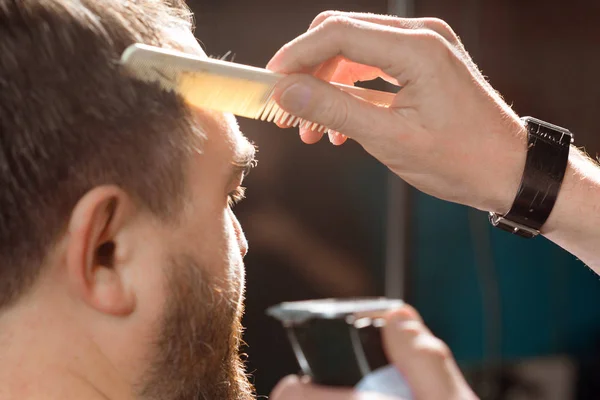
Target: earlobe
(96,253)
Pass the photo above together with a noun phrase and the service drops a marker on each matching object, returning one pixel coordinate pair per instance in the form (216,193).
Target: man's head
(116,237)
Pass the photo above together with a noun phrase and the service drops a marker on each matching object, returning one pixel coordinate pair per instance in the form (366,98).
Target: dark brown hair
(70,120)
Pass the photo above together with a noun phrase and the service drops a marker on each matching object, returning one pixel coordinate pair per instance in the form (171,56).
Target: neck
(44,355)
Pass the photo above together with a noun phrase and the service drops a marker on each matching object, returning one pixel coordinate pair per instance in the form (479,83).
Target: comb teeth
(225,86)
(271,112)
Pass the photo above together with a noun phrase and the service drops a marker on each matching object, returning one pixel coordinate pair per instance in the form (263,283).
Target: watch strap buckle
(513,227)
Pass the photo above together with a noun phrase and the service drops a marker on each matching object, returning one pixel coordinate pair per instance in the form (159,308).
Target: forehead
(222,134)
(223,152)
(219,128)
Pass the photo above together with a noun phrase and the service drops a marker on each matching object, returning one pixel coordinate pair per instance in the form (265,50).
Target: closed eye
(235,196)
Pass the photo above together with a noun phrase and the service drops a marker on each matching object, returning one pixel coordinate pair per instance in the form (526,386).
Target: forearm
(574,223)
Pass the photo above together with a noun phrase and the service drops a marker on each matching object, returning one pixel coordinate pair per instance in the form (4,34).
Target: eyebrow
(245,160)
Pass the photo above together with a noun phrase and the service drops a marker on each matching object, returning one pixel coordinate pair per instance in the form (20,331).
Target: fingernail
(295,98)
(331,135)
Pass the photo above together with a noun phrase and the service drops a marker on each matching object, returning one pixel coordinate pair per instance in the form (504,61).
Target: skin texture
(129,307)
(448,132)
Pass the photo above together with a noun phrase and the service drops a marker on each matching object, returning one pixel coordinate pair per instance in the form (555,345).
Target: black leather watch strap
(547,155)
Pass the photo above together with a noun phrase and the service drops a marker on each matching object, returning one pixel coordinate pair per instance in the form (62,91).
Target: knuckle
(441,27)
(406,313)
(323,16)
(334,30)
(336,23)
(430,38)
(338,115)
(434,44)
(434,349)
(286,48)
(411,330)
(410,310)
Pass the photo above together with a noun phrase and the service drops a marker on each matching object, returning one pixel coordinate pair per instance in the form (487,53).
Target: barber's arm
(424,360)
(448,133)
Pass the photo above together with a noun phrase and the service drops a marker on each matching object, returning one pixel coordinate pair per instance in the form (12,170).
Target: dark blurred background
(521,317)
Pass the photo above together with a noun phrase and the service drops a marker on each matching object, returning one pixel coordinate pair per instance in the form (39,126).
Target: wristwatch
(547,155)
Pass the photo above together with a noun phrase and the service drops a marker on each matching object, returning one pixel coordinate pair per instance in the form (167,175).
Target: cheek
(219,248)
(234,252)
(233,267)
(209,235)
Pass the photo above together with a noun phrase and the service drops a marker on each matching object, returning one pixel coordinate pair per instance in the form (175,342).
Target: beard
(196,356)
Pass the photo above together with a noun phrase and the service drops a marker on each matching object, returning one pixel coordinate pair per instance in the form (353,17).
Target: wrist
(579,193)
(509,171)
(574,222)
(548,148)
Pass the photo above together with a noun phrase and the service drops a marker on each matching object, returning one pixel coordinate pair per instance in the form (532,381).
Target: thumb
(424,360)
(317,101)
(293,388)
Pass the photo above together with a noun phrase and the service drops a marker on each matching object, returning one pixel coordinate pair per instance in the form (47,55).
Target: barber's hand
(448,133)
(424,360)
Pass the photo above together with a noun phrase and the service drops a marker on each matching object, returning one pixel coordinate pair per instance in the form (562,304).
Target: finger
(406,313)
(329,72)
(342,70)
(320,102)
(325,72)
(336,138)
(434,24)
(310,137)
(397,52)
(348,71)
(293,388)
(424,360)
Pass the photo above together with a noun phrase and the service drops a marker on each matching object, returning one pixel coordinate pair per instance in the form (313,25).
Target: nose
(239,234)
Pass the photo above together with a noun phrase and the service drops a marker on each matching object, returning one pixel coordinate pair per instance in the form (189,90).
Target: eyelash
(236,196)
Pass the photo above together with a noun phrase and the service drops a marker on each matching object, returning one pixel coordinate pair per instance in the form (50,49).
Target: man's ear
(96,250)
